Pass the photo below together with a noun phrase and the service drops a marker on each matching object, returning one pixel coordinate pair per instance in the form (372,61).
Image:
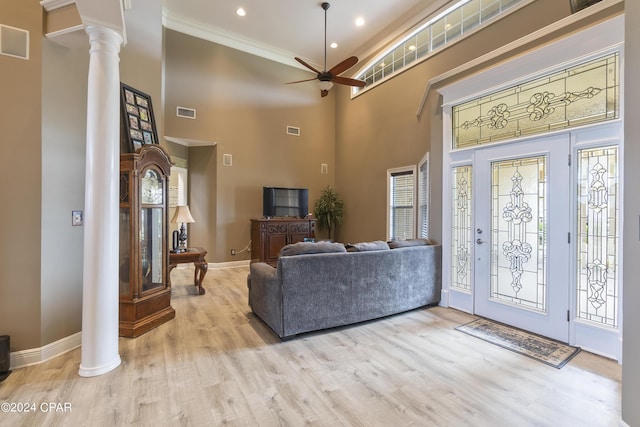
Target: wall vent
(187,113)
(227,159)
(324,168)
(293,131)
(14,42)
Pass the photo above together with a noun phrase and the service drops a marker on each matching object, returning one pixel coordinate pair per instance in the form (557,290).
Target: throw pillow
(302,248)
(377,245)
(393,244)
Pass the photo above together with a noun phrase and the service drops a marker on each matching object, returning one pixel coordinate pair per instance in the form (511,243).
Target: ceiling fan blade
(300,81)
(307,65)
(349,82)
(344,65)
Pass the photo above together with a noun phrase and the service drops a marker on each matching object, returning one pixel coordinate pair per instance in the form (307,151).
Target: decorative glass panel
(461,229)
(583,94)
(518,240)
(125,252)
(151,224)
(598,217)
(124,187)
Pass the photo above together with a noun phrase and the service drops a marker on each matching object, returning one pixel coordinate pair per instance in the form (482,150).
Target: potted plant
(329,210)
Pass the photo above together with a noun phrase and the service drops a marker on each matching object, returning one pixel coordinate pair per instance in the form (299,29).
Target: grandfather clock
(145,291)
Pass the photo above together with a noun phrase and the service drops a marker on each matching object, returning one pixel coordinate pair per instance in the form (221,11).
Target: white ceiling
(283,29)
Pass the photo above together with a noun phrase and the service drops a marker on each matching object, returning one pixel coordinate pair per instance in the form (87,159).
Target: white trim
(50,5)
(195,29)
(579,47)
(229,264)
(190,142)
(34,356)
(412,169)
(595,37)
(22,358)
(405,36)
(423,160)
(72,37)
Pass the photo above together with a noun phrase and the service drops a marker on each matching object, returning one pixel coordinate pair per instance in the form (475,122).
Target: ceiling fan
(326,79)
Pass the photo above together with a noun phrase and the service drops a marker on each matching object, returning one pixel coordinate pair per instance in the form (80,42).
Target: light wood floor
(216,364)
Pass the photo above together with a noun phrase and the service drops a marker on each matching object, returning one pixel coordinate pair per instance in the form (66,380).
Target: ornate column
(100,276)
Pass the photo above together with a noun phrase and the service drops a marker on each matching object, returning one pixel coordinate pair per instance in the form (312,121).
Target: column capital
(104,38)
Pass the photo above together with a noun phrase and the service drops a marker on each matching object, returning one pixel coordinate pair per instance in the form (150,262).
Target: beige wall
(20,173)
(64,100)
(244,107)
(379,129)
(43,129)
(141,58)
(245,110)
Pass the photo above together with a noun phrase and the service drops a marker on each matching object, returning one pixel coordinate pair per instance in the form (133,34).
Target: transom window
(438,31)
(575,96)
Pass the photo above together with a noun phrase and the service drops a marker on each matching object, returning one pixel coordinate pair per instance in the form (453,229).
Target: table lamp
(182,216)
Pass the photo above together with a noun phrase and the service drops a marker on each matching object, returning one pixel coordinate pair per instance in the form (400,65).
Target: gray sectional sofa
(320,285)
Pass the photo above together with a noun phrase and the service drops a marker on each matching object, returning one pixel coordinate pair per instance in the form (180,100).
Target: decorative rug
(545,350)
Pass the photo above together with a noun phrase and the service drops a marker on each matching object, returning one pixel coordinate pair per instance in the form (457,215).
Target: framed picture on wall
(138,125)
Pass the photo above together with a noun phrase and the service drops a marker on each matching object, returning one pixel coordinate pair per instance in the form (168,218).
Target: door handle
(480,241)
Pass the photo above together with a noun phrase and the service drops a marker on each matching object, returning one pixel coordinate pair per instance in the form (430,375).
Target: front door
(521,235)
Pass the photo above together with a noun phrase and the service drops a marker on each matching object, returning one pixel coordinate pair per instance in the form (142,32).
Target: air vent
(324,168)
(293,131)
(227,159)
(187,113)
(14,42)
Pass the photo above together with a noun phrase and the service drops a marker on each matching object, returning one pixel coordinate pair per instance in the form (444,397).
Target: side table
(196,256)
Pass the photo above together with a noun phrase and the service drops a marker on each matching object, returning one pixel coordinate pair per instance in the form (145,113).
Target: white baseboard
(230,264)
(22,358)
(444,298)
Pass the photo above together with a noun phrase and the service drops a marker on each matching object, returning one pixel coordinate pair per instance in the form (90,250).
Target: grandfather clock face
(151,188)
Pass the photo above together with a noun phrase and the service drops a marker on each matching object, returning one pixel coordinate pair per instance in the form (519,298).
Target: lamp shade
(182,215)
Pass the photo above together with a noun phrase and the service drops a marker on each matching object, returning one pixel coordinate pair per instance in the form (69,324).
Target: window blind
(402,205)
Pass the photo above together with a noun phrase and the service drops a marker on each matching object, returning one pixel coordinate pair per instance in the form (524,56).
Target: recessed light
(240,12)
(359,22)
(333,45)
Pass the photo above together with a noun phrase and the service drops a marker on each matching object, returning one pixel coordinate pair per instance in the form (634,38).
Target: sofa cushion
(377,245)
(302,248)
(393,244)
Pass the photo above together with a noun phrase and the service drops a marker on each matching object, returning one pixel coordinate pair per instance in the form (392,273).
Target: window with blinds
(423,197)
(401,203)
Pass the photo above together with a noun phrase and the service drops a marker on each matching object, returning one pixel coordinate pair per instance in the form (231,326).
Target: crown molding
(50,5)
(509,47)
(190,142)
(215,35)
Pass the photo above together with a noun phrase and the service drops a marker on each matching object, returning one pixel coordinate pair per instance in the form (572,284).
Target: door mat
(545,350)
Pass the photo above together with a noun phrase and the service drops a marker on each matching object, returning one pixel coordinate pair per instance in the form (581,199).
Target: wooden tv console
(269,235)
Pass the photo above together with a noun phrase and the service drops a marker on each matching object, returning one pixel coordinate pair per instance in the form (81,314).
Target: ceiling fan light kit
(325,78)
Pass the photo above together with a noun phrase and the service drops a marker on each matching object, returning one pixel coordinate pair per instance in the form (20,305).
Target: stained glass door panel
(518,225)
(521,237)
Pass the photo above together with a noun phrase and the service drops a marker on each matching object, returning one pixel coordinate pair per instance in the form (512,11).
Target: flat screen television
(285,202)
